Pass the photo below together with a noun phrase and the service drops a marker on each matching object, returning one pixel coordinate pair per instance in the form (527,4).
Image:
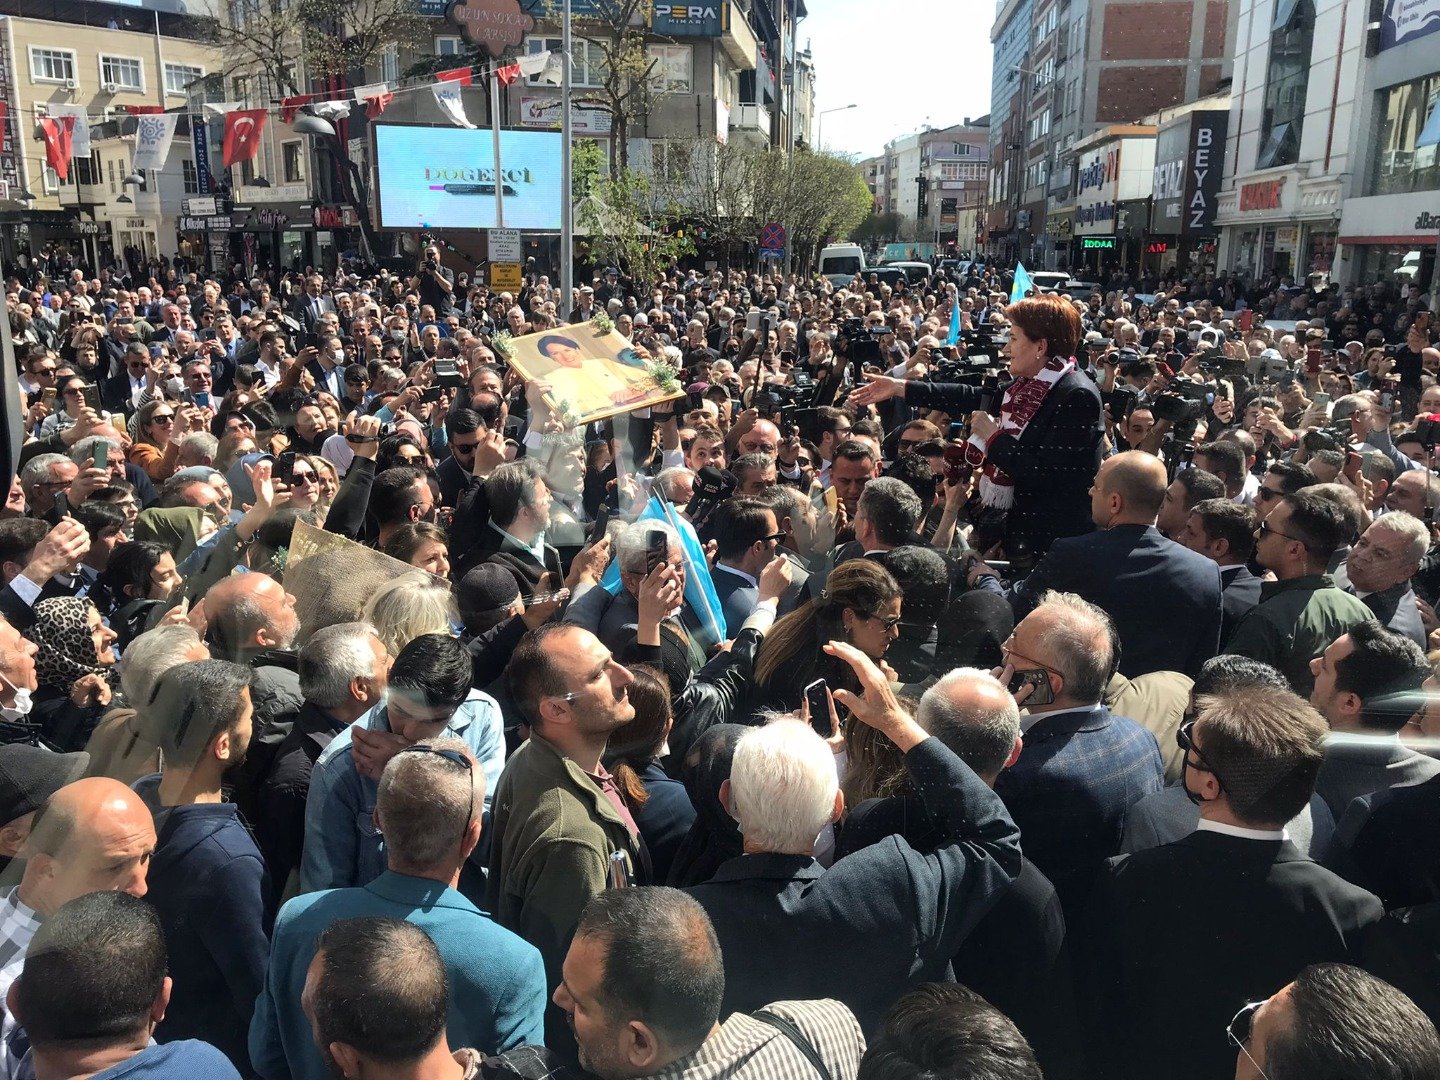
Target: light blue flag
(954,338)
(1022,284)
(700,591)
(1430,134)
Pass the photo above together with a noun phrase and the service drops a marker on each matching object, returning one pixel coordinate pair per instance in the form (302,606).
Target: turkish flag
(143,110)
(242,135)
(507,74)
(459,75)
(375,105)
(291,105)
(57,131)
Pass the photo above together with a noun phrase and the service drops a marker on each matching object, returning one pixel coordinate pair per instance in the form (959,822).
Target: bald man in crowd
(1164,598)
(94,835)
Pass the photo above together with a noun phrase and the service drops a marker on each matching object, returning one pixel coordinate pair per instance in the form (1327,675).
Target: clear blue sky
(903,62)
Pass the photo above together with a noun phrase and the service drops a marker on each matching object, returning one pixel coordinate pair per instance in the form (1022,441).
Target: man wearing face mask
(1252,910)
(207,878)
(1172,814)
(17,674)
(328,369)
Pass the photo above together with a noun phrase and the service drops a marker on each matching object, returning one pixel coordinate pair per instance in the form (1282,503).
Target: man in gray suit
(1367,685)
(1380,566)
(1170,814)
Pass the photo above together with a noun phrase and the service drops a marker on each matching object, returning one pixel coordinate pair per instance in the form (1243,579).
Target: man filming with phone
(434,282)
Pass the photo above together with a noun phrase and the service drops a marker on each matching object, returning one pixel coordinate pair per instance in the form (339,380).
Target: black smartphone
(657,549)
(602,523)
(90,395)
(284,469)
(432,393)
(1039,678)
(819,702)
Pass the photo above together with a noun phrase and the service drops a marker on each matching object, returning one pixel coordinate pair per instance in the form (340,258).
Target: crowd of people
(930,683)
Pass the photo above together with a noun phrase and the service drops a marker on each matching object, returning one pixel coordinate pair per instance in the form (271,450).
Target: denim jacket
(343,849)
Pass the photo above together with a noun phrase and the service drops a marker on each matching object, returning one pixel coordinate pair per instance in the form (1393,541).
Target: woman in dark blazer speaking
(1038,458)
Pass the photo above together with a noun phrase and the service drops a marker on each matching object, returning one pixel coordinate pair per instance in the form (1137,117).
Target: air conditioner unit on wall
(109,87)
(71,84)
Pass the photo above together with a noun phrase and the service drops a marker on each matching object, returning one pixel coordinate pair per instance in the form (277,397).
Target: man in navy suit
(1224,530)
(1082,768)
(747,537)
(1181,937)
(1164,599)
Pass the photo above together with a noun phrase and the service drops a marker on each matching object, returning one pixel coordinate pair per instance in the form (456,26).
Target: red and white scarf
(1022,401)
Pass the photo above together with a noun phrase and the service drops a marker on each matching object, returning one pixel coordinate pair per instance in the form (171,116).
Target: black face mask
(1194,796)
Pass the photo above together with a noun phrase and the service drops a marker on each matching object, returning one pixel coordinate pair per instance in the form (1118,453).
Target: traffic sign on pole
(772,239)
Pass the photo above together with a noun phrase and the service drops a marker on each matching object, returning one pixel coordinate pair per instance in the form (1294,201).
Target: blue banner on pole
(200,137)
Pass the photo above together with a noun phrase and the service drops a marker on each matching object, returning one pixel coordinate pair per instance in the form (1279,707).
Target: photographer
(1040,456)
(435,283)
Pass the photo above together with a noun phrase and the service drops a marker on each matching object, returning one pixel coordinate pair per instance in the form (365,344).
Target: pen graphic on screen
(471,189)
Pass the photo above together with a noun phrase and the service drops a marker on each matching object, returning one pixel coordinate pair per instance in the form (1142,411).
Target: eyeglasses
(455,758)
(463,448)
(888,624)
(1266,527)
(1185,739)
(306,478)
(776,536)
(1269,493)
(163,418)
(44,373)
(1239,1030)
(1009,650)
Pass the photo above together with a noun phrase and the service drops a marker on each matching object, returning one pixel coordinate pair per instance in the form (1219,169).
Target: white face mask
(398,335)
(175,385)
(20,708)
(339,357)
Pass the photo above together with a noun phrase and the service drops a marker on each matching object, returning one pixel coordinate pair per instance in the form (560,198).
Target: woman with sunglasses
(160,427)
(71,401)
(860,604)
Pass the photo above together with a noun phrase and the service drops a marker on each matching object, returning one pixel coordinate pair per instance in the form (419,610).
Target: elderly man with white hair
(878,921)
(1380,566)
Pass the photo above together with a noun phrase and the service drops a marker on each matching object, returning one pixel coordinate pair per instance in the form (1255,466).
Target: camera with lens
(1177,408)
(862,343)
(985,344)
(1121,400)
(447,373)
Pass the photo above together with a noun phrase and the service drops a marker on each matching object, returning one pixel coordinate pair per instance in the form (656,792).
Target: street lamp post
(820,123)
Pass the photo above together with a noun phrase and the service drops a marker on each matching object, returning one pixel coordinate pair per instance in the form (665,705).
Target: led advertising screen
(444,177)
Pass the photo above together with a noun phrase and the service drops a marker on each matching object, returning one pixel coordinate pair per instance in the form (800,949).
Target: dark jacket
(1070,789)
(1164,598)
(1395,609)
(1296,621)
(1181,937)
(208,883)
(1389,842)
(1016,957)
(277,698)
(1052,463)
(279,802)
(1357,764)
(664,819)
(521,565)
(1241,593)
(878,921)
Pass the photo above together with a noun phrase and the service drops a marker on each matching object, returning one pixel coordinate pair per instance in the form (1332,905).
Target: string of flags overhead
(66,130)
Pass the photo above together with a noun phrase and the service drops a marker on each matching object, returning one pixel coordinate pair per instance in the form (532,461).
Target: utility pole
(495,134)
(567,195)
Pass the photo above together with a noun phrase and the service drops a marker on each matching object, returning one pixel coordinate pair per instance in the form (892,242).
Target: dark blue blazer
(878,921)
(1179,938)
(1241,593)
(1164,598)
(1070,789)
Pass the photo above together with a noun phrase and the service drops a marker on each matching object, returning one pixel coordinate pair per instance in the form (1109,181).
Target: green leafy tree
(630,226)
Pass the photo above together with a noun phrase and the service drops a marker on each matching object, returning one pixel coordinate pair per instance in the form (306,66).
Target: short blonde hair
(412,604)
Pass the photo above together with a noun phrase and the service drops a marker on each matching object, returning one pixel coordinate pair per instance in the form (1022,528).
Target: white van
(841,262)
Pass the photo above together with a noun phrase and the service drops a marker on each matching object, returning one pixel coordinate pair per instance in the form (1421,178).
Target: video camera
(1181,408)
(862,344)
(985,344)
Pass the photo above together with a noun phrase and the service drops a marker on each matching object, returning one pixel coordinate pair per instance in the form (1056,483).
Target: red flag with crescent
(242,135)
(57,133)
